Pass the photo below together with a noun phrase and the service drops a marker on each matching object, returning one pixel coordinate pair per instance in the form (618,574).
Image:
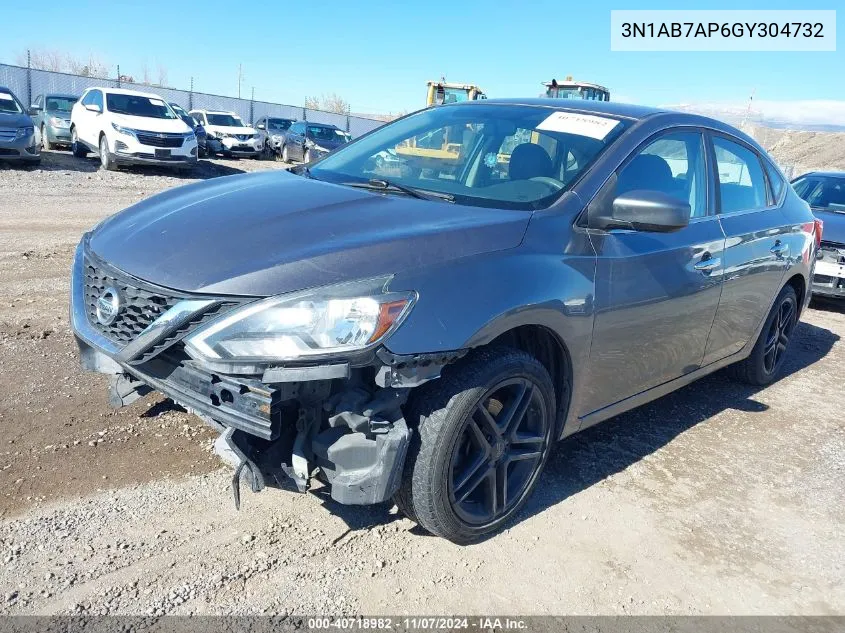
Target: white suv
(227,134)
(126,127)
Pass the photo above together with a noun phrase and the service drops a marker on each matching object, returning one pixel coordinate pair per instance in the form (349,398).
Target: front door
(656,293)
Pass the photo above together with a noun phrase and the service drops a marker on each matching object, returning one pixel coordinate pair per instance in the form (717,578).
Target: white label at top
(5,96)
(158,102)
(597,127)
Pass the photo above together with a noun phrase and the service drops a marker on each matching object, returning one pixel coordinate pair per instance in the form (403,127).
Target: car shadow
(205,169)
(823,304)
(600,451)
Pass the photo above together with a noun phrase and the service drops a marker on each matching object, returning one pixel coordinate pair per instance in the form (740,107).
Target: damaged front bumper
(342,422)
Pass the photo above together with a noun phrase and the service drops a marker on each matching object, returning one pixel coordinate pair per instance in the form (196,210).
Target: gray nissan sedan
(424,329)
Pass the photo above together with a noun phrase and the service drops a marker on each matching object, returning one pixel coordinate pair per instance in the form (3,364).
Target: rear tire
(766,359)
(107,160)
(468,470)
(78,149)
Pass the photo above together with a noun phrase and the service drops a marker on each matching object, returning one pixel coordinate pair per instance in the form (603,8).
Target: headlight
(300,325)
(123,130)
(23,132)
(190,136)
(222,135)
(57,122)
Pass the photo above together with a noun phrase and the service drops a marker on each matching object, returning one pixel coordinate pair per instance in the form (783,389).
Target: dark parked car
(17,131)
(273,130)
(51,116)
(306,141)
(825,193)
(196,126)
(428,335)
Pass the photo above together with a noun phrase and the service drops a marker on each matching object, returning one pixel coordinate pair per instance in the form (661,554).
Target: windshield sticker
(157,102)
(490,160)
(597,127)
(6,96)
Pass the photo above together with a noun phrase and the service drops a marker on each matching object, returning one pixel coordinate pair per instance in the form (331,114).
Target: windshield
(137,105)
(224,120)
(60,104)
(179,110)
(319,133)
(279,124)
(822,192)
(8,103)
(504,156)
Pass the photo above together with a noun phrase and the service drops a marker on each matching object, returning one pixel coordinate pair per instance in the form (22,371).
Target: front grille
(243,137)
(8,134)
(154,139)
(8,152)
(140,306)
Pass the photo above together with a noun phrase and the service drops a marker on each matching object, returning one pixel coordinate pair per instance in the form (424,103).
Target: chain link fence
(28,83)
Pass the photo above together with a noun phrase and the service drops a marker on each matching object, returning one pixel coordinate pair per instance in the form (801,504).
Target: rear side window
(742,185)
(775,181)
(673,164)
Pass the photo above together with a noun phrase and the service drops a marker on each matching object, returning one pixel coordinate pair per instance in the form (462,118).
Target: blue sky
(378,55)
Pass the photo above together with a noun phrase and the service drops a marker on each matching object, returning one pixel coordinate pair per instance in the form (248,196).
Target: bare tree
(145,73)
(329,103)
(91,67)
(335,103)
(43,60)
(162,75)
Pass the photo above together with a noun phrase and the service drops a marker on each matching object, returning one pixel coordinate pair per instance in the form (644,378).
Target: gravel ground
(718,499)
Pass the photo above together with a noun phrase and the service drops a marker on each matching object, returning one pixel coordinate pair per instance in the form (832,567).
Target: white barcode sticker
(5,96)
(597,127)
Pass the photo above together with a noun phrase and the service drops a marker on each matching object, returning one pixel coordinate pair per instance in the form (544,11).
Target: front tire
(482,434)
(107,160)
(766,359)
(78,149)
(285,156)
(45,142)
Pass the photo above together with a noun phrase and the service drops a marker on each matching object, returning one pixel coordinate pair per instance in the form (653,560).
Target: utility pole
(240,78)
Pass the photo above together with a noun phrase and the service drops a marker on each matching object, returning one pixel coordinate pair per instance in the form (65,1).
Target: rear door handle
(709,264)
(780,249)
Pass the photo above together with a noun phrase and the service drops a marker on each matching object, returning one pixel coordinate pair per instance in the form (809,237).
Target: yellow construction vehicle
(440,92)
(445,144)
(569,89)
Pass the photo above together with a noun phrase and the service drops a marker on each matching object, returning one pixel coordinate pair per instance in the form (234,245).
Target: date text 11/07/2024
(421,623)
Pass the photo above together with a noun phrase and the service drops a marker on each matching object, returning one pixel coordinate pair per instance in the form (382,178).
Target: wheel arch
(799,284)
(544,344)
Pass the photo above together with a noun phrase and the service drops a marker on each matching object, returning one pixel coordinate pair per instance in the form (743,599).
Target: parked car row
(128,127)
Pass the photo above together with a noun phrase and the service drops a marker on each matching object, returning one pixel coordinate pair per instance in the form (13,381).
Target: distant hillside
(800,151)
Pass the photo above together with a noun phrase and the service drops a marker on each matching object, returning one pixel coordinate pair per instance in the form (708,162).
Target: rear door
(656,293)
(757,252)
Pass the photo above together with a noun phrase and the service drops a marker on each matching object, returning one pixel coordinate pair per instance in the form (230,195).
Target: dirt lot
(716,499)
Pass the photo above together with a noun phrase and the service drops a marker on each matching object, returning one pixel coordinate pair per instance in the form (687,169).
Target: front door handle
(708,264)
(780,249)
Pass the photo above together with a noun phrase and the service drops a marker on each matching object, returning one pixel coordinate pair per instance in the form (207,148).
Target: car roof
(61,94)
(824,174)
(218,112)
(5,89)
(126,91)
(612,108)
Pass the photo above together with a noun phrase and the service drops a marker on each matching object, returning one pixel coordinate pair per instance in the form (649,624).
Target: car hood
(149,124)
(328,144)
(230,129)
(8,119)
(59,114)
(834,225)
(269,233)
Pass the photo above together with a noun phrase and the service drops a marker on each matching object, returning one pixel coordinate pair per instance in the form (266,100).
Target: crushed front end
(338,418)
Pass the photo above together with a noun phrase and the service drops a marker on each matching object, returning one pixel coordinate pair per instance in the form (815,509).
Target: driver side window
(672,164)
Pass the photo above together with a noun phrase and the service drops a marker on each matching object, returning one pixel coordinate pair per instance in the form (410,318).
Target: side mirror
(34,108)
(644,210)
(93,107)
(260,126)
